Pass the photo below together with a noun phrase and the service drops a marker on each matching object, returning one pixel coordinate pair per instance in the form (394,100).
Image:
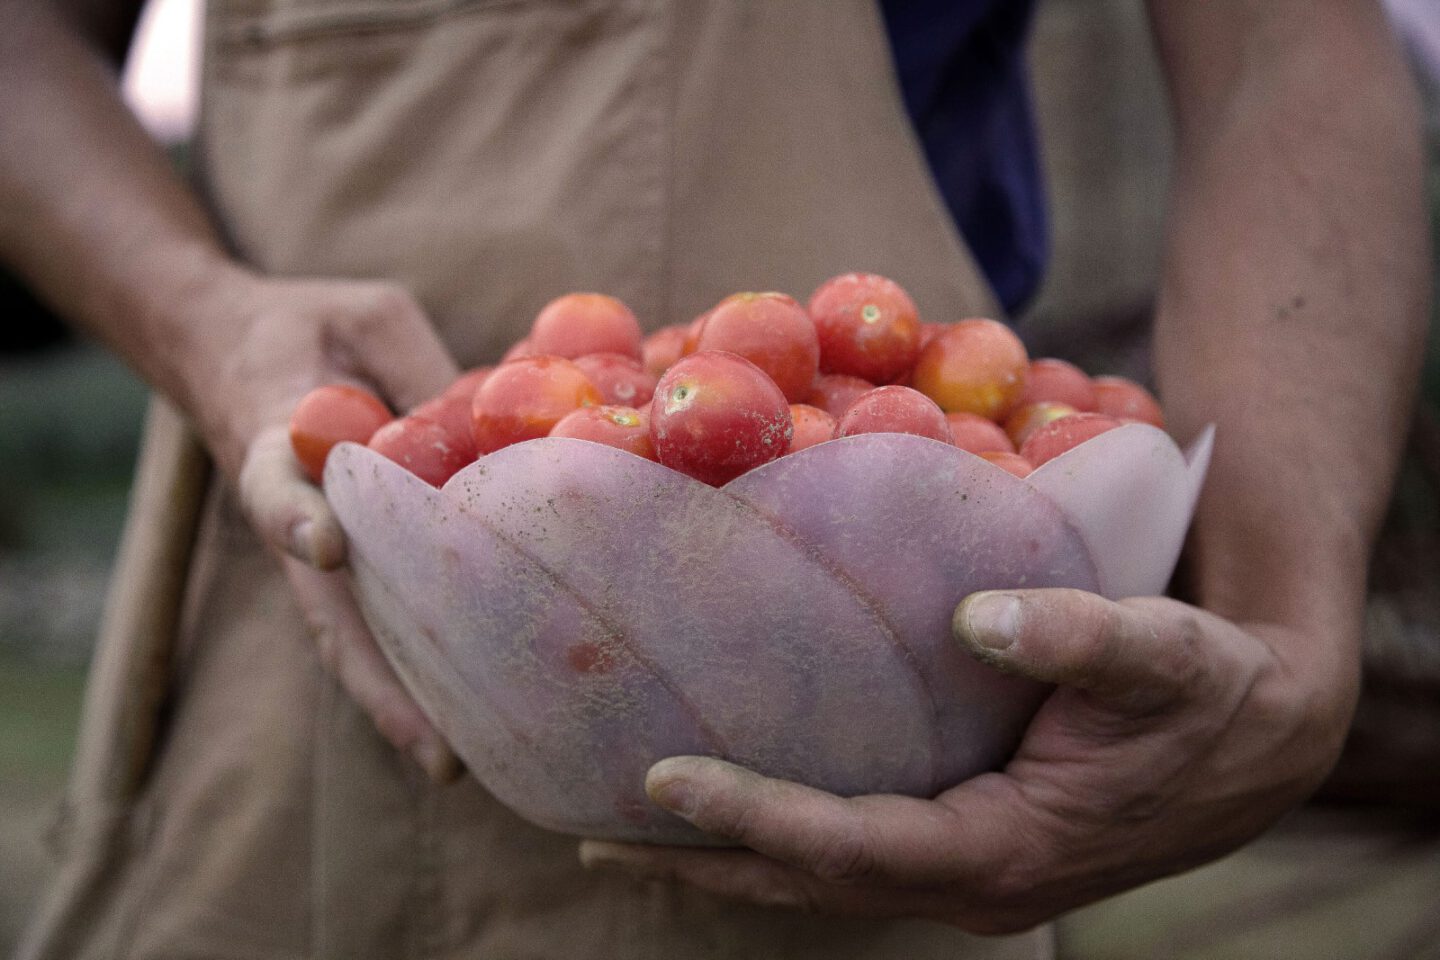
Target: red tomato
(1057,436)
(834,392)
(467,383)
(660,350)
(812,426)
(929,331)
(524,399)
(692,334)
(1055,381)
(1009,462)
(520,350)
(977,366)
(452,412)
(329,415)
(579,324)
(621,380)
(421,446)
(868,327)
(773,332)
(1031,417)
(972,432)
(1127,400)
(716,415)
(624,428)
(895,409)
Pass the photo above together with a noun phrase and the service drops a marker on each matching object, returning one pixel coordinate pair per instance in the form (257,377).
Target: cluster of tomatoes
(752,379)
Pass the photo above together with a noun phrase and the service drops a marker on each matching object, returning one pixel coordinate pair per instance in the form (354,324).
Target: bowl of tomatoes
(569,608)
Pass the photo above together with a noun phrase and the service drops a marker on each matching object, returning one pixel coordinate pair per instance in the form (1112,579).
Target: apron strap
(130,672)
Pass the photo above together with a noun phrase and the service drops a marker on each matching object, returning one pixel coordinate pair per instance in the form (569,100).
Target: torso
(491,154)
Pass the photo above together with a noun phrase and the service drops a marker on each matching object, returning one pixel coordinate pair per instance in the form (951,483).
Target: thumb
(290,513)
(1136,655)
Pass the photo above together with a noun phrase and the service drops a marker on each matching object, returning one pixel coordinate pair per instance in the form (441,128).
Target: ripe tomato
(660,350)
(1057,436)
(329,415)
(622,381)
(1127,400)
(1009,462)
(895,409)
(624,428)
(578,324)
(812,426)
(977,366)
(974,433)
(1056,381)
(1028,418)
(423,447)
(868,327)
(773,332)
(834,392)
(716,415)
(524,399)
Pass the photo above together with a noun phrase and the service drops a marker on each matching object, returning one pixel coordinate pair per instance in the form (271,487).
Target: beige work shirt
(230,801)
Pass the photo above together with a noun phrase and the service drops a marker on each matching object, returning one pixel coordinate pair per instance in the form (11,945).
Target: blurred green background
(69,424)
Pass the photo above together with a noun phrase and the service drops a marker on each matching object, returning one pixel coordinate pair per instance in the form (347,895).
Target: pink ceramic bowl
(567,614)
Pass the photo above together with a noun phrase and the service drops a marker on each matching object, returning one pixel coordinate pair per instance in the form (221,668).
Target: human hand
(270,342)
(1173,736)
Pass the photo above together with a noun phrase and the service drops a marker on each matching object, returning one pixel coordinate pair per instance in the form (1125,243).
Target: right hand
(268,342)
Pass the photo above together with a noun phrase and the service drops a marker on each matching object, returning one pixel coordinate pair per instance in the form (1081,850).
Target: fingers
(887,839)
(963,858)
(738,874)
(384,341)
(743,875)
(285,508)
(398,349)
(350,653)
(1138,655)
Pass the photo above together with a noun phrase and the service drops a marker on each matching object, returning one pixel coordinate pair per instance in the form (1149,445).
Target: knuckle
(1274,710)
(1167,654)
(787,893)
(1042,839)
(1184,657)
(258,507)
(1312,734)
(393,726)
(805,898)
(1090,647)
(1013,882)
(329,646)
(249,483)
(844,857)
(733,821)
(1143,804)
(272,513)
(388,303)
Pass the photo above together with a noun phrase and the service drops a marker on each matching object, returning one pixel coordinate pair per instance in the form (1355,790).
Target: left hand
(1173,737)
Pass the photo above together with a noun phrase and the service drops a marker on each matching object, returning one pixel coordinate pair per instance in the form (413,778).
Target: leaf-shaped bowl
(567,614)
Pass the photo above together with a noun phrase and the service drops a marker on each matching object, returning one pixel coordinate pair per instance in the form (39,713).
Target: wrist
(185,305)
(1322,688)
(1303,597)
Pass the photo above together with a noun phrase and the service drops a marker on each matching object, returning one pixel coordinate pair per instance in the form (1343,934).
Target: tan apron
(490,154)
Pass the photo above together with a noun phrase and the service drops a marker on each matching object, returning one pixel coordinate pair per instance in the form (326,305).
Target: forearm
(1293,301)
(92,215)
